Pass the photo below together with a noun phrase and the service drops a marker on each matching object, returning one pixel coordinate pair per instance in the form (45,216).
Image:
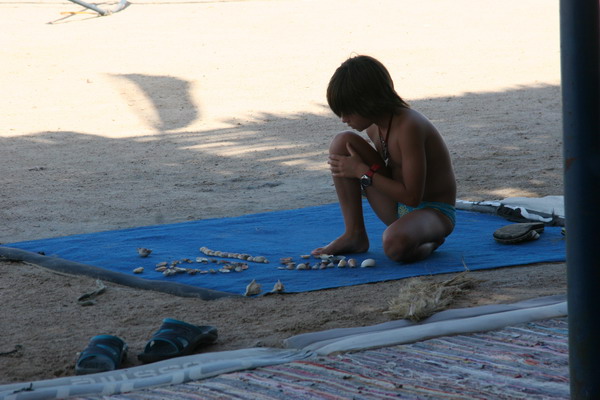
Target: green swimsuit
(445,208)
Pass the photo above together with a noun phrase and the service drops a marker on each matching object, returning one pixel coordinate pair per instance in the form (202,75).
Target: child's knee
(338,144)
(398,247)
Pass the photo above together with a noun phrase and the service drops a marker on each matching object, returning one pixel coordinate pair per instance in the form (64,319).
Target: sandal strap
(179,334)
(108,346)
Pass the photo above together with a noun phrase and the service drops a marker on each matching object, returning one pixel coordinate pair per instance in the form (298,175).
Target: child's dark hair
(363,86)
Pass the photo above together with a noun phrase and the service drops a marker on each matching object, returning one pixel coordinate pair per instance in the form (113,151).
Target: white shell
(369,262)
(138,270)
(278,288)
(342,264)
(253,288)
(302,266)
(352,263)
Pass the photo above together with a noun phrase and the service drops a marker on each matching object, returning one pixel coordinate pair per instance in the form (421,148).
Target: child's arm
(409,148)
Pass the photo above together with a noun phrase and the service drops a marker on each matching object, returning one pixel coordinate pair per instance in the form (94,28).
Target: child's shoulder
(411,120)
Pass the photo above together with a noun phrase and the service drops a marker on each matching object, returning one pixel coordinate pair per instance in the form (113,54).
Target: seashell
(239,268)
(323,265)
(250,258)
(325,257)
(278,287)
(305,256)
(212,271)
(292,265)
(224,270)
(193,271)
(286,260)
(160,269)
(186,260)
(316,266)
(162,264)
(201,260)
(244,266)
(253,288)
(342,263)
(303,266)
(144,252)
(369,262)
(174,263)
(260,259)
(203,271)
(138,270)
(352,263)
(169,272)
(179,270)
(331,265)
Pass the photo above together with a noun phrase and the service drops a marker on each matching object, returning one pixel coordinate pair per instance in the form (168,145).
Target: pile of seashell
(225,266)
(325,261)
(174,267)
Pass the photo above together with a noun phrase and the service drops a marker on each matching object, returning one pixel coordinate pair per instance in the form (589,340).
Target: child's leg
(354,239)
(416,235)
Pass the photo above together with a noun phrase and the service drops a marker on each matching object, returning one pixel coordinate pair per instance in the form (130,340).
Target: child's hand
(351,166)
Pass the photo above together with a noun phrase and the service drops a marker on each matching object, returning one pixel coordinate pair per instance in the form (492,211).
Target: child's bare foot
(345,244)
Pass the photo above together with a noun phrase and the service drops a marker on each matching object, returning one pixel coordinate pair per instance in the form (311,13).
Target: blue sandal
(103,353)
(176,338)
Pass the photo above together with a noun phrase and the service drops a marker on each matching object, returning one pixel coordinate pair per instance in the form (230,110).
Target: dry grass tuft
(422,297)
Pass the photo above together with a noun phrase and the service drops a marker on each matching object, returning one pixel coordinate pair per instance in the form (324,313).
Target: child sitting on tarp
(407,176)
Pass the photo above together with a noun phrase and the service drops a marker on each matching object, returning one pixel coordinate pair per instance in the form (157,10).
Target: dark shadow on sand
(129,182)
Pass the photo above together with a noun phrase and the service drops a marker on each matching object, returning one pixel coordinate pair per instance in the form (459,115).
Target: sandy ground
(171,111)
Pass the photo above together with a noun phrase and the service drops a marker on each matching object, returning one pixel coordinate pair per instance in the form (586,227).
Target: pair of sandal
(173,339)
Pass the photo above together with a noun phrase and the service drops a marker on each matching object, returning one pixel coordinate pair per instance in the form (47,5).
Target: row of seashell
(338,261)
(246,257)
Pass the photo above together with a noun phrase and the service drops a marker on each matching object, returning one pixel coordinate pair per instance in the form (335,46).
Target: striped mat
(527,361)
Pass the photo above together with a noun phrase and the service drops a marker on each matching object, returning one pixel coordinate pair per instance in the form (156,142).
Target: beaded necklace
(383,142)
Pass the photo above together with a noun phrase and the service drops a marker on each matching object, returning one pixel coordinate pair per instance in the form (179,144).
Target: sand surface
(180,110)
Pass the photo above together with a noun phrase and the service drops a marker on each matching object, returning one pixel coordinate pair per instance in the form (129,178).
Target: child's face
(356,121)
